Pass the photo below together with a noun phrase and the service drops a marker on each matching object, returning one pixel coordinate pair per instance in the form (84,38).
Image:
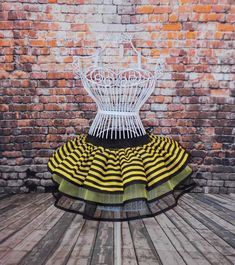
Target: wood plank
(10,216)
(4,196)
(216,208)
(186,250)
(26,248)
(103,248)
(128,253)
(22,219)
(143,245)
(223,196)
(83,249)
(24,214)
(8,200)
(16,200)
(219,226)
(62,252)
(229,197)
(224,202)
(222,246)
(21,234)
(47,244)
(200,206)
(209,252)
(117,243)
(165,249)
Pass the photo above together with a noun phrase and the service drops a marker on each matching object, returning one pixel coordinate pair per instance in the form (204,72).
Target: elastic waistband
(118,143)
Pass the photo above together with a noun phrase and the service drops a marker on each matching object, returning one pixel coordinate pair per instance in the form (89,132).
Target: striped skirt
(120,180)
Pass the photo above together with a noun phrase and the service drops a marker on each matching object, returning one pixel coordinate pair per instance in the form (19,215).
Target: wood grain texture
(199,230)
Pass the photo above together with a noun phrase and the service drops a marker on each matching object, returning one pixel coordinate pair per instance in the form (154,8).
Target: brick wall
(42,105)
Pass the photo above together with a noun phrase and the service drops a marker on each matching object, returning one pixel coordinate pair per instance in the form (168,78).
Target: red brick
(218,35)
(14,15)
(209,131)
(172,26)
(61,83)
(54,138)
(212,17)
(145,9)
(9,58)
(216,146)
(185,9)
(54,75)
(6,42)
(6,25)
(41,26)
(54,26)
(46,59)
(173,18)
(220,92)
(52,43)
(202,8)
(221,8)
(191,35)
(162,10)
(185,2)
(225,27)
(51,106)
(174,107)
(4,107)
(178,68)
(43,51)
(3,75)
(18,24)
(230,18)
(79,27)
(38,43)
(27,58)
(25,123)
(12,154)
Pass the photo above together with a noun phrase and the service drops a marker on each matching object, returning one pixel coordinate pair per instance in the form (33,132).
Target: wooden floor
(199,230)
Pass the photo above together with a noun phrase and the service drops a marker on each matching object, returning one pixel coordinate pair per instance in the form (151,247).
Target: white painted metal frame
(118,93)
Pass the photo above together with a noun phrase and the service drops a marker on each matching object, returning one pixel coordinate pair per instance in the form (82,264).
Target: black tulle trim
(184,188)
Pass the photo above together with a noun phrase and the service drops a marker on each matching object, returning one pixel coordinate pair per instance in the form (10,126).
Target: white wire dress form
(118,93)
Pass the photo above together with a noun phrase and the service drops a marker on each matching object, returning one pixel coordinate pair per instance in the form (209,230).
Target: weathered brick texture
(43,105)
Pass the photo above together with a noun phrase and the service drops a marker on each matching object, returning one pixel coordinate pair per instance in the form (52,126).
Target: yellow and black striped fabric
(110,170)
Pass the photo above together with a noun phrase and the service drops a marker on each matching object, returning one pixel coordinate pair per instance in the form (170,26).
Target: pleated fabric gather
(121,183)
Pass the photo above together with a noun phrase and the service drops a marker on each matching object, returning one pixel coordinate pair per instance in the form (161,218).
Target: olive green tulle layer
(134,191)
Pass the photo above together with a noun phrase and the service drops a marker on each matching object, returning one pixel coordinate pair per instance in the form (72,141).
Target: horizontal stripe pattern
(111,170)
